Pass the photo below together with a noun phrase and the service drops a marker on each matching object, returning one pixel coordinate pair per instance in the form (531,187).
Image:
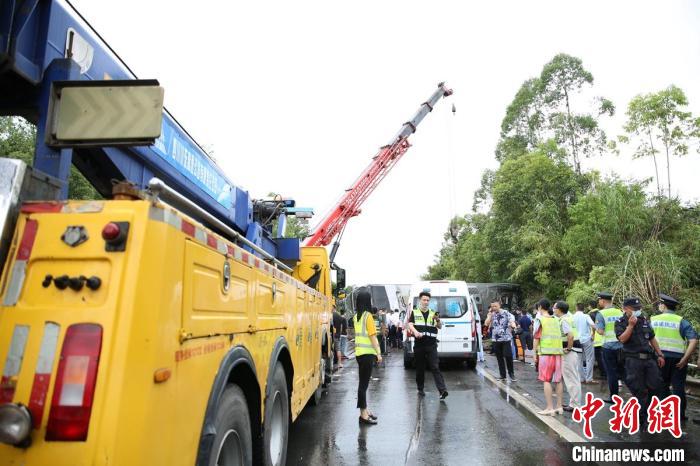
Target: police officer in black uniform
(643,357)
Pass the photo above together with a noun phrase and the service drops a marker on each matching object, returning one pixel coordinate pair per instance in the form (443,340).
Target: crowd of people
(650,355)
(376,331)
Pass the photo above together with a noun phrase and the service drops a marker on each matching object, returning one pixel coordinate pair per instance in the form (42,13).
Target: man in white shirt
(585,327)
(570,359)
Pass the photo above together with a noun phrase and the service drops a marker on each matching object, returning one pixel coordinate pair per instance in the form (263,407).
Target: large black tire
(328,362)
(276,423)
(233,443)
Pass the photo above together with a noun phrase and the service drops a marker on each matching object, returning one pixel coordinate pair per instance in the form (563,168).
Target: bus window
(447,306)
(453,307)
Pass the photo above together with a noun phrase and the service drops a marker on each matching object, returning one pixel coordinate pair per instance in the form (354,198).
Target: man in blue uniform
(605,326)
(678,340)
(643,357)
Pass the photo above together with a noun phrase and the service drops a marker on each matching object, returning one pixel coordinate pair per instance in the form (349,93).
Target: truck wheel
(276,425)
(328,365)
(233,443)
(316,397)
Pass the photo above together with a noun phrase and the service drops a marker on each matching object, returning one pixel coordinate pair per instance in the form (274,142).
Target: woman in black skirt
(366,352)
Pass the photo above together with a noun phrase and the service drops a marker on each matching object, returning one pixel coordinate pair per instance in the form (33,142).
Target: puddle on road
(415,438)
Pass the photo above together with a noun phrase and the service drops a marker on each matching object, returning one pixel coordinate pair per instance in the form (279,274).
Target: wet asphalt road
(475,425)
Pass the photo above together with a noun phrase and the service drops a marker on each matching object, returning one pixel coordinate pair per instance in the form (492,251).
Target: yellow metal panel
(165,281)
(36,295)
(206,307)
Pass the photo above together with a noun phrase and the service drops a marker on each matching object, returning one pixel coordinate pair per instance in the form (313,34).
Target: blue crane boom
(43,41)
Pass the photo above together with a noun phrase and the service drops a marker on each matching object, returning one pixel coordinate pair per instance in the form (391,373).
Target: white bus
(384,296)
(459,339)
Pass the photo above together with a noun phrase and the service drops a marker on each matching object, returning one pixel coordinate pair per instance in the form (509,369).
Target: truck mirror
(340,279)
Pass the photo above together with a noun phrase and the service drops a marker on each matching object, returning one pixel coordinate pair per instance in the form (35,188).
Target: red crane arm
(349,205)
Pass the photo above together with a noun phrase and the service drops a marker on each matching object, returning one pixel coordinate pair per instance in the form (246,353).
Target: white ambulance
(459,339)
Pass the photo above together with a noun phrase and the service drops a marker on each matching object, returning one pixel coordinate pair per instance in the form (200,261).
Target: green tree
(524,122)
(521,185)
(661,120)
(540,222)
(580,133)
(543,109)
(605,220)
(17,139)
(520,237)
(297,228)
(531,197)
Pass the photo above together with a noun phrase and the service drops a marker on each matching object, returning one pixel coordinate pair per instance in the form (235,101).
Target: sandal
(546,412)
(368,421)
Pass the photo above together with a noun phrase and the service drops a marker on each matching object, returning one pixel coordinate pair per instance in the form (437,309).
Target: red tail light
(71,405)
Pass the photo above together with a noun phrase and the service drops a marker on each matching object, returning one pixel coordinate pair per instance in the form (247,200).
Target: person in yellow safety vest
(424,324)
(597,339)
(612,356)
(678,340)
(366,352)
(572,346)
(548,354)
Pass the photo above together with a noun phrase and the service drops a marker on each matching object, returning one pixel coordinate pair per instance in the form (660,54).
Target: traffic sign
(84,113)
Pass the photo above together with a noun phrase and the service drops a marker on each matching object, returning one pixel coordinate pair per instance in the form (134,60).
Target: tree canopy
(541,221)
(17,138)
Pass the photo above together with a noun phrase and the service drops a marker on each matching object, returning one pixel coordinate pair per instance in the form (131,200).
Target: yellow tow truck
(170,322)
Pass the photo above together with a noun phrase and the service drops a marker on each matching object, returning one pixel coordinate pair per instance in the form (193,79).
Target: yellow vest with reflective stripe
(363,345)
(611,315)
(426,328)
(574,330)
(667,327)
(597,339)
(550,338)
